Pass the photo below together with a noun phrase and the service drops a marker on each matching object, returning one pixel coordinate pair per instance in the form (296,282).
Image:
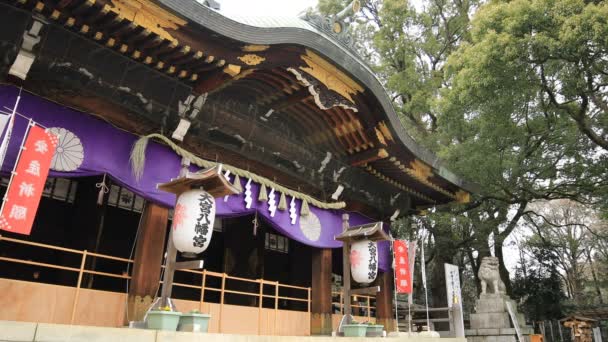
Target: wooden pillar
(320,320)
(384,301)
(150,246)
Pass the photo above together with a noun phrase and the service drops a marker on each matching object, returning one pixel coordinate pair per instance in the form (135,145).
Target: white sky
(289,8)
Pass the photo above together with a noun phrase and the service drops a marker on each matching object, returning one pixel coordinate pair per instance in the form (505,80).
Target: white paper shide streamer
(272,204)
(227,176)
(248,199)
(292,210)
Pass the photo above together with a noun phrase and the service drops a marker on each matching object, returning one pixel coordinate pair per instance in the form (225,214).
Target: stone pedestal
(491,321)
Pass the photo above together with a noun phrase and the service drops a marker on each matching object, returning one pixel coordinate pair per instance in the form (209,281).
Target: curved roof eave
(307,36)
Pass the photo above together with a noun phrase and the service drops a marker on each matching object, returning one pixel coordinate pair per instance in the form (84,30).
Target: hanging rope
(138,161)
(103,189)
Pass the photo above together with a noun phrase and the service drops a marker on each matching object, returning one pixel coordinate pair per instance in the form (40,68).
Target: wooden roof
(303,86)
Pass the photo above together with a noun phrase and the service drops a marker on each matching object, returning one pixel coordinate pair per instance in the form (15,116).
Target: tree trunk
(594,275)
(502,269)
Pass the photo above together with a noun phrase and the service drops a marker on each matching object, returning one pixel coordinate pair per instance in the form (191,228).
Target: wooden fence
(269,321)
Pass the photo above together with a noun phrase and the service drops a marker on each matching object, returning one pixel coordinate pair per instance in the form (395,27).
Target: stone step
(494,320)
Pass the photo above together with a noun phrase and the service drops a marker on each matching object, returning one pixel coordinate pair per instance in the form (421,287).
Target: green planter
(374,330)
(163,320)
(194,322)
(354,330)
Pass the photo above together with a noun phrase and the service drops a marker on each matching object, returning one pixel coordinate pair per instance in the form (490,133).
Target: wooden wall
(46,303)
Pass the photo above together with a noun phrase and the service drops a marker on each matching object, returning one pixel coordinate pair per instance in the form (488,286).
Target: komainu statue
(488,273)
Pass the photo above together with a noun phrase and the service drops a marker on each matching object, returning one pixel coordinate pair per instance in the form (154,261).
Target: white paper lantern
(193,221)
(364,261)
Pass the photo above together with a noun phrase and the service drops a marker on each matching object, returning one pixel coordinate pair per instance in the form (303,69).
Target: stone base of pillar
(321,324)
(389,324)
(137,307)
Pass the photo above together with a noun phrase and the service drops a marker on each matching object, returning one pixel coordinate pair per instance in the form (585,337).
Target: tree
(538,288)
(504,132)
(555,49)
(563,231)
(413,46)
(463,89)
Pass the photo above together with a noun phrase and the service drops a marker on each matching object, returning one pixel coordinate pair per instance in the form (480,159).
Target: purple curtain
(107,150)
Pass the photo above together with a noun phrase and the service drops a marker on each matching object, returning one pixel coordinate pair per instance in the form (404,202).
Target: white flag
(9,130)
(412,259)
(422,264)
(5,120)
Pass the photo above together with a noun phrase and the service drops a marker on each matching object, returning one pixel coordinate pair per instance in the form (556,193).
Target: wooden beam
(320,321)
(368,291)
(212,81)
(148,259)
(367,156)
(190,265)
(289,100)
(384,302)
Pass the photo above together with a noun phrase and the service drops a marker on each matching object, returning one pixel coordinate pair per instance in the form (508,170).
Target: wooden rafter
(368,156)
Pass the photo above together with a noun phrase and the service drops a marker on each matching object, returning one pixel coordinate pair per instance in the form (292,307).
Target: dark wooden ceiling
(259,76)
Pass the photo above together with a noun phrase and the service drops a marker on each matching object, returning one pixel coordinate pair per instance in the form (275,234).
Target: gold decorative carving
(232,70)
(380,136)
(255,48)
(382,153)
(385,131)
(337,27)
(330,76)
(463,196)
(149,16)
(421,170)
(317,94)
(347,128)
(251,59)
(398,184)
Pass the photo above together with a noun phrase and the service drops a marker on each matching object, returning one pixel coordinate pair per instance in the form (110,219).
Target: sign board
(454,292)
(597,334)
(27,182)
(412,257)
(403,275)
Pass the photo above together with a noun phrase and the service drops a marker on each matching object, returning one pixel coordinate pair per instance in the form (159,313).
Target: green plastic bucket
(194,322)
(354,330)
(374,330)
(163,320)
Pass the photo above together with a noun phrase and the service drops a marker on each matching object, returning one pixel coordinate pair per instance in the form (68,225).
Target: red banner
(403,276)
(27,183)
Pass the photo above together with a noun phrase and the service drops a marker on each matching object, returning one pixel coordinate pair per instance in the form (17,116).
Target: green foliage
(553,49)
(513,100)
(539,290)
(413,47)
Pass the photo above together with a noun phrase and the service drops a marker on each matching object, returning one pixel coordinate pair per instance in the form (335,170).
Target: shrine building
(138,90)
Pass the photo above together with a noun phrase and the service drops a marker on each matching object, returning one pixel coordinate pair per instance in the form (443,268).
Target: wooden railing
(261,283)
(203,287)
(354,299)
